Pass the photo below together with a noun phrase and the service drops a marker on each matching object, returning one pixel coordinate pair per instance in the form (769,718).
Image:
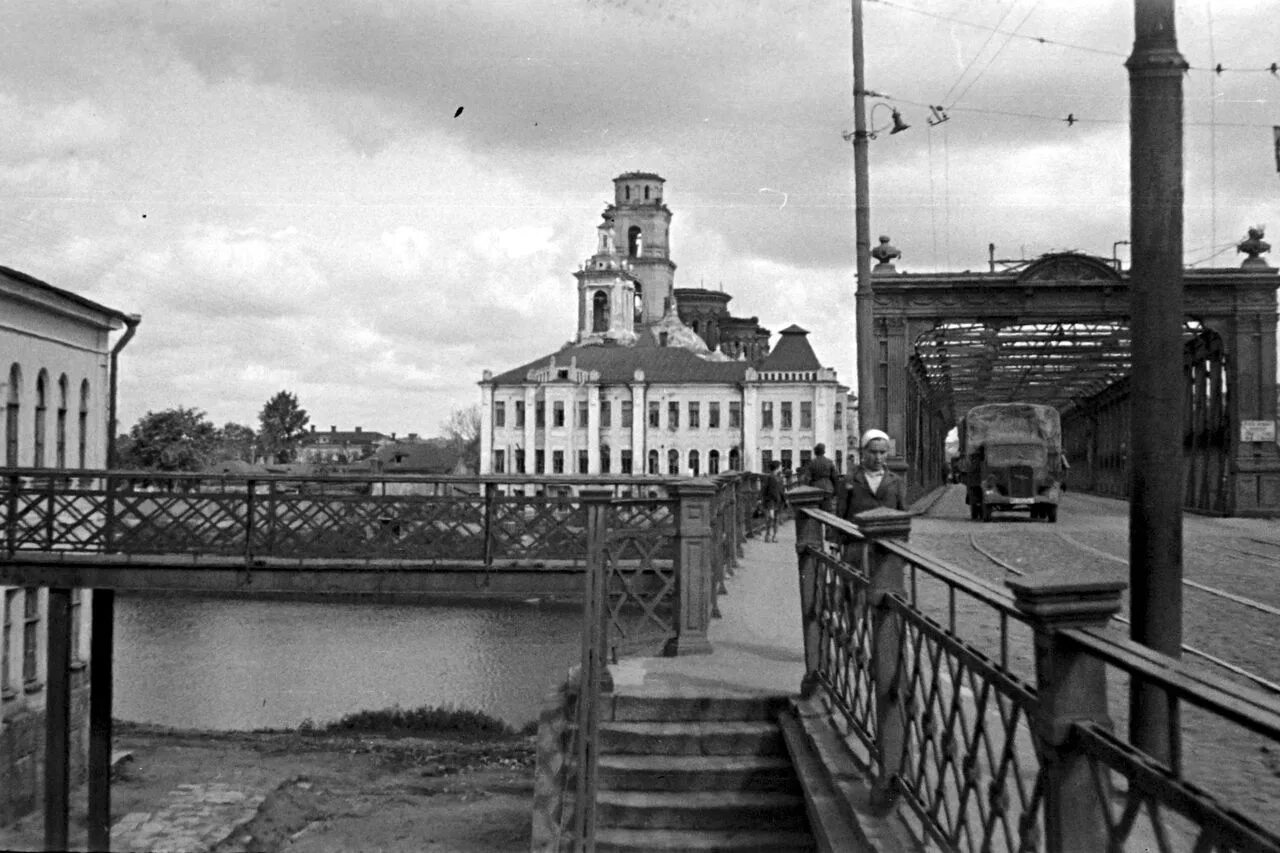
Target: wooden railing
(985,718)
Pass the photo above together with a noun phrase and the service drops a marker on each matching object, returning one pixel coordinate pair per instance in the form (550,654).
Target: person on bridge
(774,499)
(821,474)
(871,484)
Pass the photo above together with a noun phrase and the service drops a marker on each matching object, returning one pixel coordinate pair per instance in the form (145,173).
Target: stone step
(701,708)
(721,737)
(696,773)
(714,810)
(724,841)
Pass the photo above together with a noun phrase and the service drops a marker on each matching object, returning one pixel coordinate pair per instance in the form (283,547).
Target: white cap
(871,435)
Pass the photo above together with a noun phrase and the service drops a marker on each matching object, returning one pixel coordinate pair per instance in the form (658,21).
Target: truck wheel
(1051,513)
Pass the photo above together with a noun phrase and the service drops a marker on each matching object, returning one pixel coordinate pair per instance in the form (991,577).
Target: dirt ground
(329,793)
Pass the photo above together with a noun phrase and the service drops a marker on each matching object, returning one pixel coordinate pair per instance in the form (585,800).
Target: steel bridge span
(1056,331)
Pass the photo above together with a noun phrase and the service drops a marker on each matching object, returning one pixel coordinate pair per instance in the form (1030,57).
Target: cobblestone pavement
(194,818)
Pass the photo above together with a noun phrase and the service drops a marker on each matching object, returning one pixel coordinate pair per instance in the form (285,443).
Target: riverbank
(310,792)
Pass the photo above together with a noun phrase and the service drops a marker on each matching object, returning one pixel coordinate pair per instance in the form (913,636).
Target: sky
(368,203)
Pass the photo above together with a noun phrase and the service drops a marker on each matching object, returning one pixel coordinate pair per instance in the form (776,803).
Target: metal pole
(101,654)
(868,414)
(1156,466)
(57,743)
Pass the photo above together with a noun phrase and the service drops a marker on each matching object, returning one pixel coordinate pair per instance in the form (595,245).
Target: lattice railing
(929,668)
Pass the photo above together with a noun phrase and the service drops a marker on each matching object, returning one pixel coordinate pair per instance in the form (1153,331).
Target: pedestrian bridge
(921,703)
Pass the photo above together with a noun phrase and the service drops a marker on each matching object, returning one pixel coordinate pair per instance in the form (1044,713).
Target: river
(249,663)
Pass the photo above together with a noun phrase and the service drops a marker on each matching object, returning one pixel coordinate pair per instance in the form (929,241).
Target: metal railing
(985,717)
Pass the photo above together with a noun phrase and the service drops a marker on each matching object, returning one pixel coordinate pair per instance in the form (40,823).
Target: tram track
(1191,650)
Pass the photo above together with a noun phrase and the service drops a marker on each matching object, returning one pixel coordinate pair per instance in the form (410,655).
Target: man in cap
(821,474)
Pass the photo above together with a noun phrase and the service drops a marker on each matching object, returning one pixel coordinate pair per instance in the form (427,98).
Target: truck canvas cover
(1009,422)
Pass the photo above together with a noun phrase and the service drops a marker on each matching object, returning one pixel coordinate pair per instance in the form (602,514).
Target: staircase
(697,774)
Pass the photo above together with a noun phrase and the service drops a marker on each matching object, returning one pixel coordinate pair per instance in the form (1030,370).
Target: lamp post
(864,329)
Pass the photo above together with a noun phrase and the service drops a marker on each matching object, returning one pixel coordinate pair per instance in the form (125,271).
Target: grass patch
(426,720)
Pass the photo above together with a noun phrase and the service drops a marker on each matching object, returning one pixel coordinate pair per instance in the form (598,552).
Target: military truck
(1011,458)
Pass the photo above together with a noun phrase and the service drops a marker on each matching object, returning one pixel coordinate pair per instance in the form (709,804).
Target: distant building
(658,380)
(55,353)
(339,447)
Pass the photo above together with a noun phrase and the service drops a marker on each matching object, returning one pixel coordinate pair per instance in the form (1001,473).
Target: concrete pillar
(639,422)
(1071,687)
(486,424)
(750,424)
(593,429)
(694,587)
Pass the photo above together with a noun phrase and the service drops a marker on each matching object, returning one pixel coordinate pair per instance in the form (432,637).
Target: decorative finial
(885,253)
(1254,246)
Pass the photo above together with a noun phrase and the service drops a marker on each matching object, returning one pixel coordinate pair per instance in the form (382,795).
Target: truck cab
(1012,456)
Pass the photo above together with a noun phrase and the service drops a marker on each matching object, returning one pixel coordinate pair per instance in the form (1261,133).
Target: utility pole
(1156,464)
(868,414)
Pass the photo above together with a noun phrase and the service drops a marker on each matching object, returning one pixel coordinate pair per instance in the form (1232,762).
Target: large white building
(658,380)
(55,354)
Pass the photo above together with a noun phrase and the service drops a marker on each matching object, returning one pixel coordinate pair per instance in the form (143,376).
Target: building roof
(342,436)
(640,175)
(792,352)
(618,364)
(37,284)
(418,457)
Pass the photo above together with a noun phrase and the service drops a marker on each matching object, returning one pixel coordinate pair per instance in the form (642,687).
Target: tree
(173,440)
(462,431)
(236,441)
(283,421)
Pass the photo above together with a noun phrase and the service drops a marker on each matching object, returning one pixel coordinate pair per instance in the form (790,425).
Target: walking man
(821,474)
(774,499)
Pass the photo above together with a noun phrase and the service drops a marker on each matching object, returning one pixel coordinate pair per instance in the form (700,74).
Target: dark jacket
(821,474)
(858,497)
(771,493)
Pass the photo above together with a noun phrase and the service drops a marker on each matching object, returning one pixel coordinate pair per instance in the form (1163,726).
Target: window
(557,462)
(557,413)
(839,417)
(766,415)
(582,414)
(604,459)
(625,463)
(519,460)
(499,414)
(600,312)
(653,461)
(673,416)
(606,414)
(499,462)
(839,461)
(30,634)
(13,408)
(6,677)
(520,413)
(735,415)
(655,414)
(786,415)
(806,415)
(627,413)
(806,456)
(41,404)
(82,449)
(584,462)
(735,460)
(766,459)
(713,415)
(694,468)
(539,461)
(713,462)
(694,415)
(60,426)
(673,462)
(786,460)
(540,414)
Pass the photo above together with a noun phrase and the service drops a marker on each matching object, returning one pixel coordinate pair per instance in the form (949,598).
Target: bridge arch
(1056,330)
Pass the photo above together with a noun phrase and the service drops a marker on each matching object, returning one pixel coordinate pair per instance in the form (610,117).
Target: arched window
(639,316)
(12,409)
(735,460)
(635,241)
(42,406)
(673,462)
(646,193)
(82,439)
(627,192)
(600,312)
(713,462)
(693,463)
(653,462)
(60,428)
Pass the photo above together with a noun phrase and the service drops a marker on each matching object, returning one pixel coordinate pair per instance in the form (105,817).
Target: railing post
(490,492)
(250,487)
(695,592)
(885,578)
(11,516)
(109,533)
(594,671)
(1071,687)
(808,532)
